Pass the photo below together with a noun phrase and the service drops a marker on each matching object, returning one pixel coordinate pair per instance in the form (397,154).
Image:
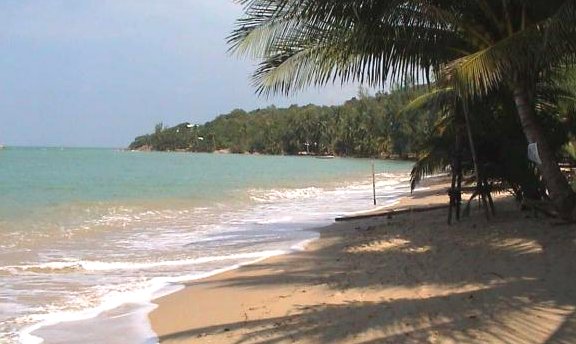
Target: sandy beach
(406,279)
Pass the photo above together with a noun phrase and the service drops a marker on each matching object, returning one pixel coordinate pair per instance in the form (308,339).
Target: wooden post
(373,183)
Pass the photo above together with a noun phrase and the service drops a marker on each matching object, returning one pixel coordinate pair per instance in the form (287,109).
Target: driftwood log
(392,212)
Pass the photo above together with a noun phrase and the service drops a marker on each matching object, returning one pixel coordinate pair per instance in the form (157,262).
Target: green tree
(476,46)
(367,127)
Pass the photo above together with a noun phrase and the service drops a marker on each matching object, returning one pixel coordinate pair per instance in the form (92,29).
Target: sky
(97,73)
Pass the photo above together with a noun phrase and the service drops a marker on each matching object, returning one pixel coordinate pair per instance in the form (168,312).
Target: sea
(90,237)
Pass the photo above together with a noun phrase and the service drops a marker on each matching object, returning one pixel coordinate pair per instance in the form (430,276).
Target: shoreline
(133,306)
(329,291)
(431,188)
(227,151)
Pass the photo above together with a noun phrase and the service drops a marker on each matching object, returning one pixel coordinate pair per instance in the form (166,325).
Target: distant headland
(366,126)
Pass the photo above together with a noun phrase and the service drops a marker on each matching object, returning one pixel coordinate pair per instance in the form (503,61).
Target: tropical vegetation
(496,58)
(366,126)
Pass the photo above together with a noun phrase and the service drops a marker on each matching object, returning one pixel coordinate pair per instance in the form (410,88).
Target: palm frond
(377,41)
(435,161)
(435,100)
(365,41)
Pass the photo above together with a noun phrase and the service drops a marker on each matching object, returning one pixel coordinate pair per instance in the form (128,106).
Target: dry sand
(409,279)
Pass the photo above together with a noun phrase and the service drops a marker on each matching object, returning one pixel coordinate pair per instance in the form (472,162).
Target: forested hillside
(366,126)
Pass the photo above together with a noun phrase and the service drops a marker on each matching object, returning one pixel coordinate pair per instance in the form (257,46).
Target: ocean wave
(386,181)
(275,195)
(275,210)
(124,216)
(87,265)
(144,293)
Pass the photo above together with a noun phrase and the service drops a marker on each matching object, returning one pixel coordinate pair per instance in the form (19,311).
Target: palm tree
(498,137)
(474,46)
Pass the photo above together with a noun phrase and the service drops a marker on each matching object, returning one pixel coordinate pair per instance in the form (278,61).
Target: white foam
(276,220)
(313,206)
(275,195)
(109,266)
(212,238)
(374,210)
(155,288)
(301,246)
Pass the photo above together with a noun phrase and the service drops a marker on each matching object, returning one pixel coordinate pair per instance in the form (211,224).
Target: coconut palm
(498,137)
(474,46)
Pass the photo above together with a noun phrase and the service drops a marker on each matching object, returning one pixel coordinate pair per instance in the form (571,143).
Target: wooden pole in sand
(373,183)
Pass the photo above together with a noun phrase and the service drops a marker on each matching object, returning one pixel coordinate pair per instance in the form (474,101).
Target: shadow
(566,334)
(406,320)
(511,280)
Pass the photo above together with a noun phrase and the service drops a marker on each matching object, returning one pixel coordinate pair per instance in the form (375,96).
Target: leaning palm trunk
(475,46)
(561,193)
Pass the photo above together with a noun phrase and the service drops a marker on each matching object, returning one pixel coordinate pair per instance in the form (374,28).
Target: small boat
(325,157)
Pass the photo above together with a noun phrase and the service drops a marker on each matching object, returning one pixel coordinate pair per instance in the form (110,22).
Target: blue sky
(97,73)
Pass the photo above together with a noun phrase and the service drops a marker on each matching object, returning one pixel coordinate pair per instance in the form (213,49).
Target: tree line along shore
(364,126)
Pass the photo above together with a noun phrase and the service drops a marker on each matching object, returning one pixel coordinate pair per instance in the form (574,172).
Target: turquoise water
(95,234)
(36,178)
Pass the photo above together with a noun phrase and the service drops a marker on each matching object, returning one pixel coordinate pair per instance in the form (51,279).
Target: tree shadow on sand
(527,294)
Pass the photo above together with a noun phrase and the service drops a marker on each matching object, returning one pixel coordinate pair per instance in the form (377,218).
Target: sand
(409,279)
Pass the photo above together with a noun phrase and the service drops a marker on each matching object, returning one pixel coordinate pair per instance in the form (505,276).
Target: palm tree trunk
(561,193)
(477,172)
